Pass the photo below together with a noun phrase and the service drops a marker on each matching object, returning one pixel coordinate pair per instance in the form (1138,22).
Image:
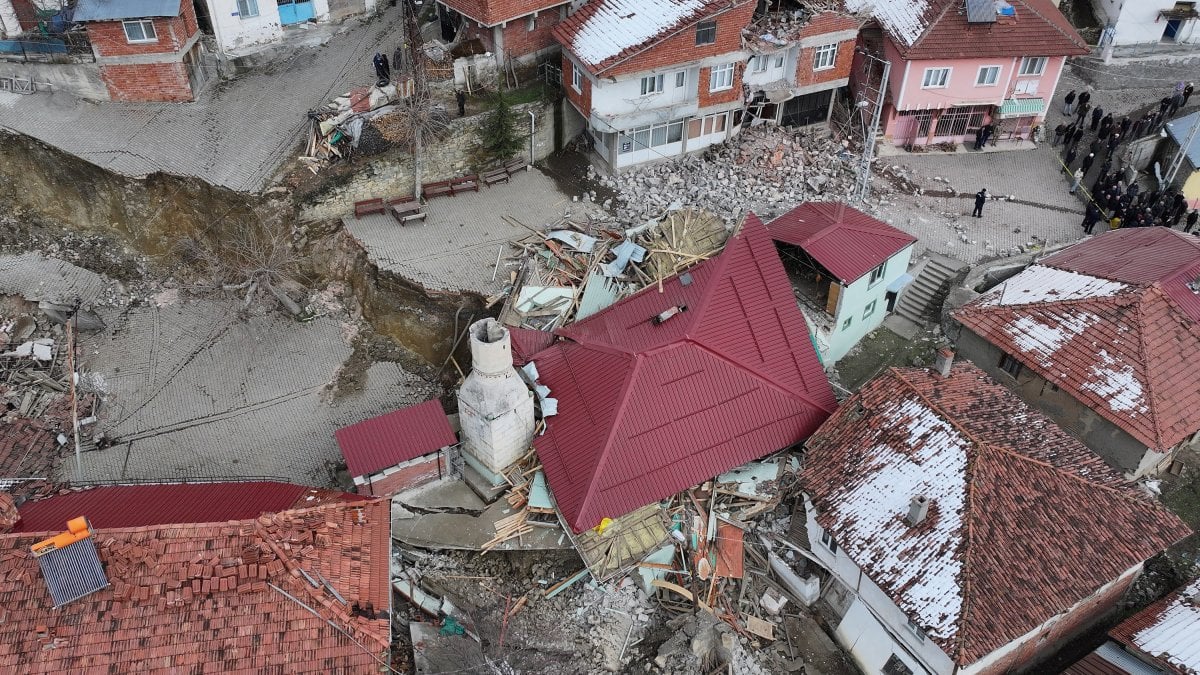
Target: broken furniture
(369,206)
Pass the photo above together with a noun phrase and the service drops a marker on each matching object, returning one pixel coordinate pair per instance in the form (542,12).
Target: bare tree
(423,118)
(255,258)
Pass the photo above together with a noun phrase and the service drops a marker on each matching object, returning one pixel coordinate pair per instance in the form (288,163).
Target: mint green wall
(854,301)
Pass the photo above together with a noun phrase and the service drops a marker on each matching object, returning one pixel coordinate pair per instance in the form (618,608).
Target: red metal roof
(171,503)
(647,410)
(526,342)
(385,441)
(846,241)
(1024,522)
(216,597)
(1140,255)
(1040,29)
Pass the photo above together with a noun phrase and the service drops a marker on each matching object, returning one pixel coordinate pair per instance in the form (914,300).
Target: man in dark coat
(1090,217)
(1126,124)
(1192,218)
(1084,97)
(1069,104)
(1070,158)
(1106,124)
(382,71)
(1087,163)
(1187,92)
(980,200)
(1078,133)
(1097,115)
(461,99)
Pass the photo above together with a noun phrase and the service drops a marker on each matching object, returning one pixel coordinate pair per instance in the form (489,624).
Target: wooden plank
(679,590)
(763,629)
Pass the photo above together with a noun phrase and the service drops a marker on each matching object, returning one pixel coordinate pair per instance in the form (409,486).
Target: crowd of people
(1116,198)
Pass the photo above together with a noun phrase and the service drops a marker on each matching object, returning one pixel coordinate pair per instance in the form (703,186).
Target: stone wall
(78,79)
(452,157)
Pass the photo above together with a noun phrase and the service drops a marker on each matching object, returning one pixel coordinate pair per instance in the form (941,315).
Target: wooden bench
(368,206)
(405,209)
(514,166)
(494,176)
(470,182)
(437,189)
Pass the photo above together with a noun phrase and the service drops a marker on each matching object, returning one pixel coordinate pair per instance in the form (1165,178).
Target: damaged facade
(928,490)
(512,30)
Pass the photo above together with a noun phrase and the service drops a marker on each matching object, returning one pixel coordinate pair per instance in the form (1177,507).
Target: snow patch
(618,25)
(922,568)
(1175,635)
(1046,284)
(1042,340)
(903,19)
(1117,384)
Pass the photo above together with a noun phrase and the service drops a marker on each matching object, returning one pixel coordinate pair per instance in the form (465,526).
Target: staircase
(921,301)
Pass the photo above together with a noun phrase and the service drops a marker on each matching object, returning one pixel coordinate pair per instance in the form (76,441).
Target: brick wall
(472,30)
(682,48)
(520,41)
(414,475)
(828,22)
(730,95)
(582,100)
(805,75)
(493,12)
(108,37)
(147,82)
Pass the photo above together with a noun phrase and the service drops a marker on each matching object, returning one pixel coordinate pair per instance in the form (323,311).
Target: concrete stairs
(921,301)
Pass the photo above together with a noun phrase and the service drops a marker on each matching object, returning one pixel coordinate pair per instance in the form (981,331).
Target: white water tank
(495,407)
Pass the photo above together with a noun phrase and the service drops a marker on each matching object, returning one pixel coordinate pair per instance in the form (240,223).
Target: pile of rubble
(336,129)
(766,169)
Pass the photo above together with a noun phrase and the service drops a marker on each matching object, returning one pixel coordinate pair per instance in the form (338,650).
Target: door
(807,109)
(292,12)
(1171,33)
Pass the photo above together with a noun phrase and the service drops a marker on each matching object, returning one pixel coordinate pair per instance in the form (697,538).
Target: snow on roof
(924,563)
(1174,637)
(1037,338)
(618,25)
(1117,384)
(904,20)
(1042,284)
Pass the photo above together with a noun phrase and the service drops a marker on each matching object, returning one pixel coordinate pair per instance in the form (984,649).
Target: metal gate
(294,11)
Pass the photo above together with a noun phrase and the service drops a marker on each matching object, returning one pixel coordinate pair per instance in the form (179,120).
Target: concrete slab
(449,493)
(901,326)
(470,533)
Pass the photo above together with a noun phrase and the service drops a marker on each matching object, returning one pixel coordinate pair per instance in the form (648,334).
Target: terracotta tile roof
(28,448)
(1002,480)
(1168,631)
(198,598)
(1140,255)
(846,241)
(646,410)
(603,32)
(385,441)
(171,503)
(493,12)
(1122,349)
(938,29)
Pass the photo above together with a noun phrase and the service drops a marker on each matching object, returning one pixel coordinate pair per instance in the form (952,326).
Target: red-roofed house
(849,267)
(516,29)
(229,596)
(958,65)
(963,531)
(1101,338)
(1163,638)
(654,79)
(399,450)
(649,406)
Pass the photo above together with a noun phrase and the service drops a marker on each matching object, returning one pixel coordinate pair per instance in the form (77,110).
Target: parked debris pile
(335,130)
(766,169)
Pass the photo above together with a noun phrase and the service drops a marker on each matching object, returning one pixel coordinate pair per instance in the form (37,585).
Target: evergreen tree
(498,137)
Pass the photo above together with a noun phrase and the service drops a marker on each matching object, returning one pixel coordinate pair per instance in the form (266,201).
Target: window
(652,84)
(1032,65)
(779,61)
(847,322)
(247,8)
(140,31)
(530,23)
(706,33)
(680,78)
(916,630)
(877,274)
(651,137)
(988,76)
(710,124)
(870,309)
(1010,365)
(721,77)
(936,78)
(828,542)
(758,64)
(824,57)
(576,79)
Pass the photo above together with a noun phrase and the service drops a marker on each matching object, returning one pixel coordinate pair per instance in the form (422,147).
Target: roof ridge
(754,372)
(931,25)
(623,398)
(722,262)
(1143,354)
(1078,39)
(1134,289)
(1124,494)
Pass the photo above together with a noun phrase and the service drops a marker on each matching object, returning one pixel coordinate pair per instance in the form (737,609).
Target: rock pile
(766,169)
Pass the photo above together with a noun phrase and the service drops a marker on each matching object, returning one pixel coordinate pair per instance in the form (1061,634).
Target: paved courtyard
(236,136)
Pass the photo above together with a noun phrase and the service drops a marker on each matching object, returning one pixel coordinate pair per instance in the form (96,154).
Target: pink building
(959,65)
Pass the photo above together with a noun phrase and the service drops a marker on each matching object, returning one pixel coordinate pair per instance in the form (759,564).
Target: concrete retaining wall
(78,79)
(392,175)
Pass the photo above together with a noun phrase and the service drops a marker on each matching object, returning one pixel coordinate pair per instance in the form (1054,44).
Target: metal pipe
(532,117)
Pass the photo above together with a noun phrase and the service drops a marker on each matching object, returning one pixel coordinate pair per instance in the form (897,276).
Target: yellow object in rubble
(603,525)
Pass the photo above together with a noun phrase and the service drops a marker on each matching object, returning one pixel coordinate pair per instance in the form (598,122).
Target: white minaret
(495,408)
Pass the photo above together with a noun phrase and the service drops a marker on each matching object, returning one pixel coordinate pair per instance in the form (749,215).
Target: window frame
(576,79)
(995,80)
(1010,365)
(1041,61)
(870,308)
(916,630)
(247,4)
(530,23)
(829,542)
(653,84)
(680,79)
(821,53)
(847,323)
(877,274)
(706,29)
(720,71)
(945,81)
(141,23)
(663,130)
(759,63)
(779,60)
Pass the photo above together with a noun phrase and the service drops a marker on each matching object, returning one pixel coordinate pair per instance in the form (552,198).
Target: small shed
(397,451)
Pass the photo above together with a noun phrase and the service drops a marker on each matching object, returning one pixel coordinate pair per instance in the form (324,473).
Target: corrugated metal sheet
(110,10)
(846,241)
(1139,255)
(647,410)
(385,441)
(1180,129)
(166,504)
(1022,107)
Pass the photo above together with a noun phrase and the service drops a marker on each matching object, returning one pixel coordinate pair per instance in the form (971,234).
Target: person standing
(1081,113)
(1084,97)
(1090,218)
(1097,115)
(1176,103)
(1078,134)
(461,99)
(382,71)
(1086,165)
(1187,93)
(1069,104)
(980,200)
(1076,179)
(1058,133)
(1096,146)
(1106,124)
(1126,123)
(1069,159)
(1192,218)
(1113,142)
(1163,105)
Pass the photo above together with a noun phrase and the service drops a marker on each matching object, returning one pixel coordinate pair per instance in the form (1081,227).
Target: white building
(1134,22)
(961,531)
(242,26)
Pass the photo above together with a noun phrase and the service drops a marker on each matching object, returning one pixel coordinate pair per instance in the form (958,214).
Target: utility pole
(871,96)
(418,100)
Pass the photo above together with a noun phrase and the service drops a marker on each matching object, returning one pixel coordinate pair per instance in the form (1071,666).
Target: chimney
(9,516)
(943,361)
(918,508)
(495,407)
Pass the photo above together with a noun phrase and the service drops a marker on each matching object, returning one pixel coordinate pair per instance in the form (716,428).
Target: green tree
(498,136)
